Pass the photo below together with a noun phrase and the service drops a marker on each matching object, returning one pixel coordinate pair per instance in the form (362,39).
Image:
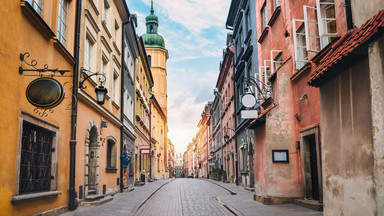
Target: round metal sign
(45,93)
(248,100)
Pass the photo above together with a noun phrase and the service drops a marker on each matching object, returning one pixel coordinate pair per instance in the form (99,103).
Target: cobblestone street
(190,197)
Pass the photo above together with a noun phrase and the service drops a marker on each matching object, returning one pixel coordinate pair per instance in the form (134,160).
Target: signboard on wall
(145,151)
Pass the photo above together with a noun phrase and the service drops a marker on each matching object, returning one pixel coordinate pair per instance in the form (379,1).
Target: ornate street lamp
(226,138)
(100,91)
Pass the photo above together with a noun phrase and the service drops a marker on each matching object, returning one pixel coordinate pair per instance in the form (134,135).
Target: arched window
(151,28)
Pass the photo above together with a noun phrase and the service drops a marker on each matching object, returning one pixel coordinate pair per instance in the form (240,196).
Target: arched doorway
(92,145)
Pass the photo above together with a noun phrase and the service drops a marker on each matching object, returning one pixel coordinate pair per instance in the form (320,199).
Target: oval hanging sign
(45,93)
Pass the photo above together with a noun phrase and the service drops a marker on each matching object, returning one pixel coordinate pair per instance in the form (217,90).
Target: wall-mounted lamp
(304,97)
(100,91)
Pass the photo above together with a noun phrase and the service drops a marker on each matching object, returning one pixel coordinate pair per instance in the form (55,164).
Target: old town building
(143,86)
(350,78)
(98,125)
(225,86)
(204,134)
(241,20)
(130,54)
(35,35)
(157,57)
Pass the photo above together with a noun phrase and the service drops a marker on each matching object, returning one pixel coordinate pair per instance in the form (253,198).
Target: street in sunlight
(189,197)
(192,107)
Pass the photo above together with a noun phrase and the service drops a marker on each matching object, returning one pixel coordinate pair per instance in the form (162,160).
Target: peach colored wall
(19,34)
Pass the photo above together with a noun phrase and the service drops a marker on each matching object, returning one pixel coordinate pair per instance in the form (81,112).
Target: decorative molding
(106,29)
(88,15)
(274,16)
(94,7)
(263,35)
(105,43)
(34,196)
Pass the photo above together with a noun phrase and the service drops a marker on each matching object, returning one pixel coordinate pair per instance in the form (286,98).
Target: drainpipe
(234,90)
(72,204)
(150,132)
(348,14)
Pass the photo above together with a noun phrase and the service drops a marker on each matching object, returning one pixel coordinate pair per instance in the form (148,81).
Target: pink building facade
(292,36)
(226,89)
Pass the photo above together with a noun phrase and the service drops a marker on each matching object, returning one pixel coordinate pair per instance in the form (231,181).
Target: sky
(195,36)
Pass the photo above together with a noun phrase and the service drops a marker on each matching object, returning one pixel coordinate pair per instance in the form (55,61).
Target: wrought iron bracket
(33,63)
(268,90)
(87,74)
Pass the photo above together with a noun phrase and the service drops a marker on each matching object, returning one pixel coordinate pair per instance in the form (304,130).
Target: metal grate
(36,156)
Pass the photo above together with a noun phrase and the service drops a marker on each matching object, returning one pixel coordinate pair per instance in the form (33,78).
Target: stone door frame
(91,124)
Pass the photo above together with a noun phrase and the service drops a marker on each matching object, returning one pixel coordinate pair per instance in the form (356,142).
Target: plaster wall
(376,59)
(364,10)
(348,162)
(19,34)
(283,179)
(112,132)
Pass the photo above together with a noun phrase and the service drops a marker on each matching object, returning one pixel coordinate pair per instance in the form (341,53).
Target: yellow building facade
(159,141)
(158,56)
(98,126)
(34,172)
(143,86)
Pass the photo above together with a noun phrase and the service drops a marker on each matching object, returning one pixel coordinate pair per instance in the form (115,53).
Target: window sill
(63,51)
(36,20)
(303,70)
(111,170)
(34,196)
(263,35)
(274,16)
(106,29)
(115,104)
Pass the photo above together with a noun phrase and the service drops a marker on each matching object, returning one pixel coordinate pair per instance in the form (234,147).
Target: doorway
(311,163)
(92,163)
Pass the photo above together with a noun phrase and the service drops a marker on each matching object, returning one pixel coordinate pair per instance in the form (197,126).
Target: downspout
(234,95)
(348,14)
(122,108)
(72,204)
(150,131)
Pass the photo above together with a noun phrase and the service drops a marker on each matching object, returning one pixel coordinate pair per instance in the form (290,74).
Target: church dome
(153,40)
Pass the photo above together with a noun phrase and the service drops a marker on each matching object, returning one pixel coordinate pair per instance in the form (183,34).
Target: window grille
(36,159)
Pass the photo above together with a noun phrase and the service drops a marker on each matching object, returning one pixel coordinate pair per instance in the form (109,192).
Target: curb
(230,191)
(146,199)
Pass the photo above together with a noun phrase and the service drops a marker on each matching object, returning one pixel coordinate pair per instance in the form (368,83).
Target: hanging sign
(45,93)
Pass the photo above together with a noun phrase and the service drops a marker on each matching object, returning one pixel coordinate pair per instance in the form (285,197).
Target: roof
(346,47)
(232,13)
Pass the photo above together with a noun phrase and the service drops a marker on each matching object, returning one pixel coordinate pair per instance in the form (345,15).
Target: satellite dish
(248,100)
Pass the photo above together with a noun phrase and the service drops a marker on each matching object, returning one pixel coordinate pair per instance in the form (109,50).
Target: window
(248,20)
(117,33)
(37,5)
(105,12)
(276,4)
(244,159)
(276,61)
(62,22)
(111,154)
(36,159)
(264,17)
(115,87)
(88,53)
(299,39)
(327,21)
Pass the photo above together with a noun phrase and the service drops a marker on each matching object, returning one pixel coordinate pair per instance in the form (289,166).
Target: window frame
(300,61)
(264,16)
(62,22)
(37,5)
(31,119)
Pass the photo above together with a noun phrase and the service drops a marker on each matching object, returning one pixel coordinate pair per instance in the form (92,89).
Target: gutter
(72,203)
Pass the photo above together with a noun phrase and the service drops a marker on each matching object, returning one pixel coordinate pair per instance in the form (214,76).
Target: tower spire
(152,11)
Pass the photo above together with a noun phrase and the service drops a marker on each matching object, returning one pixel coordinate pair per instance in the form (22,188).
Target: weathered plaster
(376,58)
